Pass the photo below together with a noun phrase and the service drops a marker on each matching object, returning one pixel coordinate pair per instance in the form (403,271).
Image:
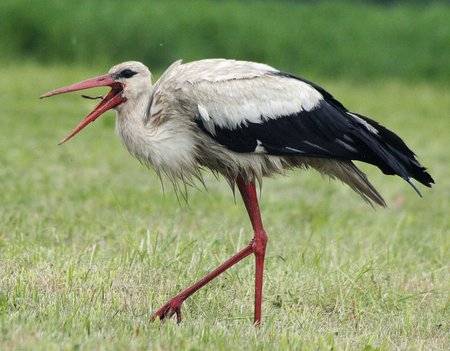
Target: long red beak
(113,99)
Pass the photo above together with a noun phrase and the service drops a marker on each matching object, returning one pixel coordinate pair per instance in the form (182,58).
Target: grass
(90,245)
(337,38)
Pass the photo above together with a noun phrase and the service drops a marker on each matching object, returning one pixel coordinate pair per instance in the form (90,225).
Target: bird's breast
(167,147)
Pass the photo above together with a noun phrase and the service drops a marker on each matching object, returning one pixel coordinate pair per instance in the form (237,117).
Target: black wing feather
(327,131)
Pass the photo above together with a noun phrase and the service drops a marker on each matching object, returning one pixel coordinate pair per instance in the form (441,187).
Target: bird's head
(127,80)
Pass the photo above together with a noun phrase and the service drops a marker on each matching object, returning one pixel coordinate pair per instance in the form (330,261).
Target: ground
(91,245)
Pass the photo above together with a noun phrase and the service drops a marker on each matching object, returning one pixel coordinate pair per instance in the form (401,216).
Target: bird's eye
(126,73)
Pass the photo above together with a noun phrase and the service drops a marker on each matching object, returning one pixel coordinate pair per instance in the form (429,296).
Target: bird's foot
(171,307)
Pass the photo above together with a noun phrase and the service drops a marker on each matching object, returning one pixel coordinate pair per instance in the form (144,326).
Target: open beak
(113,99)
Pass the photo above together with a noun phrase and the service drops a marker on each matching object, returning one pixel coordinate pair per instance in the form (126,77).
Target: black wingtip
(409,180)
(419,173)
(393,156)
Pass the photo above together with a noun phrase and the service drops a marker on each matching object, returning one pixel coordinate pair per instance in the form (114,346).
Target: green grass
(90,245)
(337,38)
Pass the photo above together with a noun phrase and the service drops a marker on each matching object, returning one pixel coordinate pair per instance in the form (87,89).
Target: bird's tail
(387,151)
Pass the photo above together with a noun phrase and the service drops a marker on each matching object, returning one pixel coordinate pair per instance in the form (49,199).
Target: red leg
(259,242)
(174,304)
(256,246)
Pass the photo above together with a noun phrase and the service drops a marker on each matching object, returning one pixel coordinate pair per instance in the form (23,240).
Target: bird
(244,121)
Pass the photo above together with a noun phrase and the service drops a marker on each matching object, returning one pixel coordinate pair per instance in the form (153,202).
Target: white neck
(168,147)
(130,119)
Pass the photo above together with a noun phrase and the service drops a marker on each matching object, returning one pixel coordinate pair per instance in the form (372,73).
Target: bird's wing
(254,108)
(268,111)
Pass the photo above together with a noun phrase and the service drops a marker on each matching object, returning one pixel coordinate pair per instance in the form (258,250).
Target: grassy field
(90,245)
(351,39)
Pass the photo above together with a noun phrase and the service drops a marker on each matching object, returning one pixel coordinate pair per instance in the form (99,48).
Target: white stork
(243,120)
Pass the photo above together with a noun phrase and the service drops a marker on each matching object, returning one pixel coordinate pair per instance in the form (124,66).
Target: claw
(178,311)
(171,307)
